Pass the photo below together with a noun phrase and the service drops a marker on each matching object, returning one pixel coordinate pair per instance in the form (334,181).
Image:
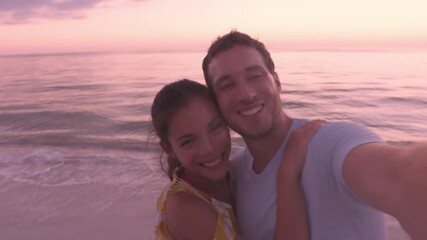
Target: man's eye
(255,76)
(225,86)
(218,126)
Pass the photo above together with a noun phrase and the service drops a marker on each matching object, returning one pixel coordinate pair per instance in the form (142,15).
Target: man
(350,176)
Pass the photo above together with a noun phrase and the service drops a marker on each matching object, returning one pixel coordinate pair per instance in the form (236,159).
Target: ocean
(75,138)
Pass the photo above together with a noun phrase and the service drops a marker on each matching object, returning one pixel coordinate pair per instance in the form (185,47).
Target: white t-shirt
(335,213)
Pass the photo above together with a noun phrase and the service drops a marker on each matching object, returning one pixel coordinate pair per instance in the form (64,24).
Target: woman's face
(200,140)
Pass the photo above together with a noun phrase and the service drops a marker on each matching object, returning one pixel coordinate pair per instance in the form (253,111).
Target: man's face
(247,93)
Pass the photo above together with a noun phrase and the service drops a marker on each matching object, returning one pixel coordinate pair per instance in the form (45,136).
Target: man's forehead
(236,59)
(238,51)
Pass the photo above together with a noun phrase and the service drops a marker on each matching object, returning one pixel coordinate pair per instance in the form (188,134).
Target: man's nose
(246,92)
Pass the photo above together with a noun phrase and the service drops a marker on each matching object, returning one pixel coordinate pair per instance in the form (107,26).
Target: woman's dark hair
(170,99)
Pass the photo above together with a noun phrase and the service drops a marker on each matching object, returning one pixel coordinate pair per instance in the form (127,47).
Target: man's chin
(251,133)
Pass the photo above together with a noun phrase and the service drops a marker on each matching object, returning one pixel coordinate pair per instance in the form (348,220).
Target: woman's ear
(166,146)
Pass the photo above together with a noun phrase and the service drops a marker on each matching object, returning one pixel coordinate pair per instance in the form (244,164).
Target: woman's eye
(185,143)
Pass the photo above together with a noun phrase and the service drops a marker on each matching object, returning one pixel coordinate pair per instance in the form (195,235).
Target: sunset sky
(47,26)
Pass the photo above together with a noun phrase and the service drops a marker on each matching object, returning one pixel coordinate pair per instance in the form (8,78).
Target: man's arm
(392,179)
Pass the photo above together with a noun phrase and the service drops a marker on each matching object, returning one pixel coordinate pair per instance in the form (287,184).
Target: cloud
(25,11)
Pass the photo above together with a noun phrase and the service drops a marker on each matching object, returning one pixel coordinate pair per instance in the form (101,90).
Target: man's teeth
(251,111)
(213,163)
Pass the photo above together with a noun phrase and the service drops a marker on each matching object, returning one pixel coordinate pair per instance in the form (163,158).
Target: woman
(198,203)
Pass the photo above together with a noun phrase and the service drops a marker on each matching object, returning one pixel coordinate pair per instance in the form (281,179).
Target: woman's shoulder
(188,213)
(187,201)
(183,199)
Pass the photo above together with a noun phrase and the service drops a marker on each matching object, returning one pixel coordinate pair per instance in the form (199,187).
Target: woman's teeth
(213,163)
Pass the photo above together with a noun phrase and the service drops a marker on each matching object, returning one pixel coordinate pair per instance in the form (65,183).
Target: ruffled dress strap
(226,223)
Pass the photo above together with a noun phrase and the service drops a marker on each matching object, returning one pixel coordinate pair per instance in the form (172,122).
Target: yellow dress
(226,227)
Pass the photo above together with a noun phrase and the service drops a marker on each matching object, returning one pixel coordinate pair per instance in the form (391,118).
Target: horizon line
(119,52)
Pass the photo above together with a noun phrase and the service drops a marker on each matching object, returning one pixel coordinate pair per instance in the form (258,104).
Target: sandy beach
(87,212)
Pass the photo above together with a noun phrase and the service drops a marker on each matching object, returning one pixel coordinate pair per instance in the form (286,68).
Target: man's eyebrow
(223,78)
(247,69)
(253,68)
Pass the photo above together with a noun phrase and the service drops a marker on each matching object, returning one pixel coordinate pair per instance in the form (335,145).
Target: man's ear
(166,146)
(277,81)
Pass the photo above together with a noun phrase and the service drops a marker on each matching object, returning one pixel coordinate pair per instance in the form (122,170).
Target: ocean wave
(73,141)
(405,100)
(16,107)
(298,105)
(49,166)
(83,87)
(45,120)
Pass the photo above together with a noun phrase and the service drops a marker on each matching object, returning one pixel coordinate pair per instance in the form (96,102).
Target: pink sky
(190,25)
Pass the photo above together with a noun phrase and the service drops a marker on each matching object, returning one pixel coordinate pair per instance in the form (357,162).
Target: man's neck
(263,149)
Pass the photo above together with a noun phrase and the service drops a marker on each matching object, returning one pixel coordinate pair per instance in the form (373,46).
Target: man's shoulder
(332,128)
(238,157)
(238,153)
(347,130)
(297,122)
(336,136)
